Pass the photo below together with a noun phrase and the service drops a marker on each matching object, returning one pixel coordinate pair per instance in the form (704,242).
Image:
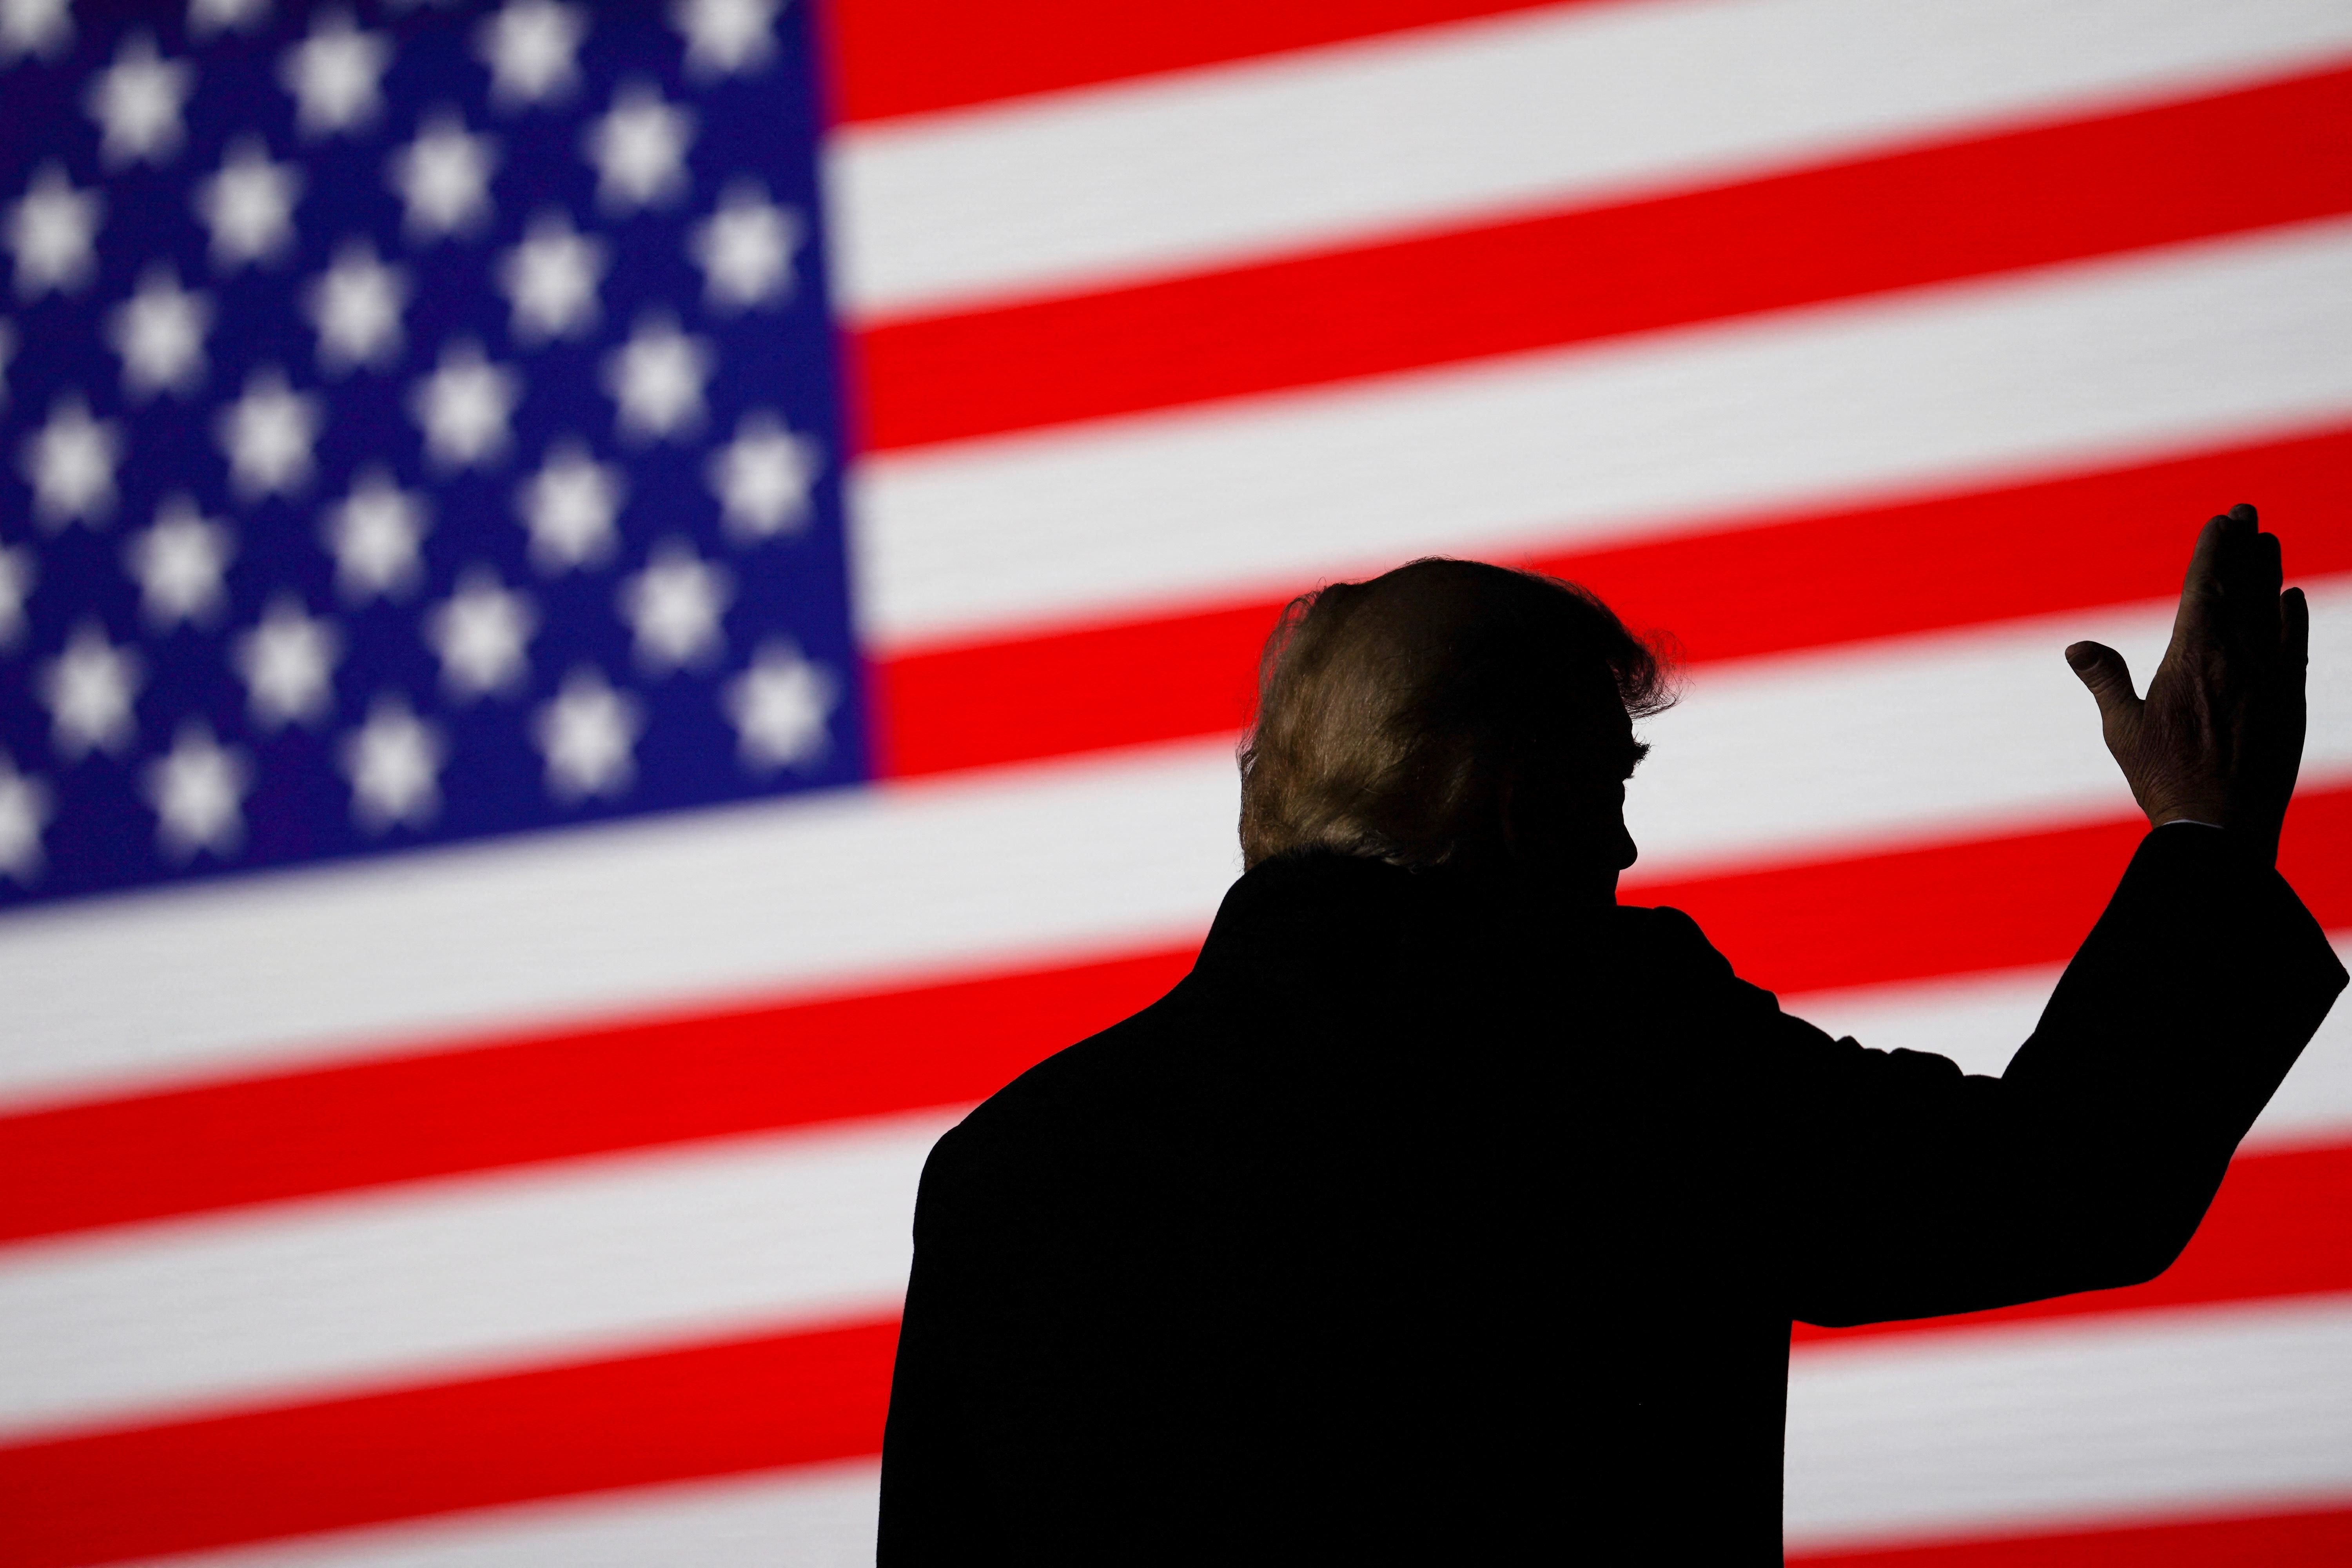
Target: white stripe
(582,1258)
(1865,746)
(1979,1021)
(2027,1428)
(1946,735)
(1462,123)
(456,1278)
(695,908)
(2042,1427)
(816,1516)
(1965,384)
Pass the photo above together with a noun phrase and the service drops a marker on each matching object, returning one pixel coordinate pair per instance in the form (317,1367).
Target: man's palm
(2219,735)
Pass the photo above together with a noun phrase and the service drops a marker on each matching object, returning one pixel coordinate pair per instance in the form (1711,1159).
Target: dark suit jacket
(1428,1218)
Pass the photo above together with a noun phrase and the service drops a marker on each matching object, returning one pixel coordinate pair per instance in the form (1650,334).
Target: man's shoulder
(1076,1089)
(1662,936)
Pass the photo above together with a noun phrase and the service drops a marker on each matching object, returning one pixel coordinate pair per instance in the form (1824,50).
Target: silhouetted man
(1450,1211)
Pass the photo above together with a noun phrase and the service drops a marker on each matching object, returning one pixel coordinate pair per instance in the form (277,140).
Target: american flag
(608,614)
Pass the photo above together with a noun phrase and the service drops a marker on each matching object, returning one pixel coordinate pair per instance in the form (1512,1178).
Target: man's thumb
(2104,671)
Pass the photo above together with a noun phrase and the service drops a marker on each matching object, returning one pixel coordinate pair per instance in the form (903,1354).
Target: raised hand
(2219,735)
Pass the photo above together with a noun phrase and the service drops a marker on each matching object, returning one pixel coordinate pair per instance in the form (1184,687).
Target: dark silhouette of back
(1451,1213)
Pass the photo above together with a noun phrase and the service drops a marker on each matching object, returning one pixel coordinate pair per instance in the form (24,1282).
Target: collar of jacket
(1338,914)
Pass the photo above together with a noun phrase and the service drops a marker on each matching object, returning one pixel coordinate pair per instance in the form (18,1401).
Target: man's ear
(1538,819)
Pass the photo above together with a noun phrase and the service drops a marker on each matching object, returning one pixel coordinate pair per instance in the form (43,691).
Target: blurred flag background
(609,612)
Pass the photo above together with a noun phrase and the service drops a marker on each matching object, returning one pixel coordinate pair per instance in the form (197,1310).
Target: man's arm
(930,1511)
(2091,1161)
(1916,1191)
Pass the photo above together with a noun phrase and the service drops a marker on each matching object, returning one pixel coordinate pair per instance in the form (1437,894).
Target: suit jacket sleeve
(931,1508)
(1907,1189)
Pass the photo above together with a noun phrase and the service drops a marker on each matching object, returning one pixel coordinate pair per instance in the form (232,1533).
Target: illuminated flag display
(609,614)
(426,431)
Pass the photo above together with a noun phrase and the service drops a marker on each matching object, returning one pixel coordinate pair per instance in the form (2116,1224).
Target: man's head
(1450,713)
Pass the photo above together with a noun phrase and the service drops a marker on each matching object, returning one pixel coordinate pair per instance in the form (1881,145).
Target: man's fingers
(2104,671)
(2200,590)
(2295,631)
(2270,570)
(2207,561)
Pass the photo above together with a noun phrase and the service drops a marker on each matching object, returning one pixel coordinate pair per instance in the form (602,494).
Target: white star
(16,575)
(34,28)
(551,277)
(268,432)
(89,688)
(763,477)
(463,406)
(24,812)
(656,378)
(249,205)
(160,333)
(480,631)
(373,533)
(745,248)
(335,76)
(198,790)
(530,47)
(137,102)
(50,230)
(287,660)
(8,353)
(71,462)
(208,17)
(179,562)
(723,36)
(639,149)
(674,605)
(589,734)
(356,304)
(445,177)
(569,506)
(779,706)
(393,762)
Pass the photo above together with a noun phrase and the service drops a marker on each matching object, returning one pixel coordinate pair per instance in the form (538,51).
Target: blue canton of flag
(419,423)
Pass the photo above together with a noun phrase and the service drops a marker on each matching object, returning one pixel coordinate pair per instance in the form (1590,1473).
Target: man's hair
(1409,718)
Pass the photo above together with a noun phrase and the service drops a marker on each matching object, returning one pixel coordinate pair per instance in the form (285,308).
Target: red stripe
(2268,155)
(2282,1226)
(1950,909)
(710,1410)
(1980,905)
(749,1404)
(513,1102)
(2320,1539)
(907,56)
(1736,587)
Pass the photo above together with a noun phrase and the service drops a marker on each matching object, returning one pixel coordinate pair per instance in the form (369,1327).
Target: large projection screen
(611,613)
